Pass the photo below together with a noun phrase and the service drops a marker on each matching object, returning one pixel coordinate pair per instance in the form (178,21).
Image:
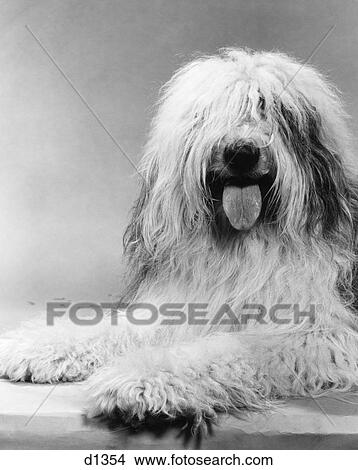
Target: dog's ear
(136,252)
(328,188)
(133,235)
(330,192)
(331,199)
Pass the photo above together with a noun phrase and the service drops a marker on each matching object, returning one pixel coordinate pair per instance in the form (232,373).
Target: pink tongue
(242,206)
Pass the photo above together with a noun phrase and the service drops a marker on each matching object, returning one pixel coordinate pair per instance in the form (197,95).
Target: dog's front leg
(194,380)
(64,352)
(226,372)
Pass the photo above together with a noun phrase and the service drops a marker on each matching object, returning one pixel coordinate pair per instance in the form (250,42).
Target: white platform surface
(51,417)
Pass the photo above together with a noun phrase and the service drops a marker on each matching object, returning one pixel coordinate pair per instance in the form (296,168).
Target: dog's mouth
(242,205)
(240,190)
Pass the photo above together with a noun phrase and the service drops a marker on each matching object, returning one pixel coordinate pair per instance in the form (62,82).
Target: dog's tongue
(242,206)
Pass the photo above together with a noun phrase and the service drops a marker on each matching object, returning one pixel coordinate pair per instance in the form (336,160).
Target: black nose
(241,159)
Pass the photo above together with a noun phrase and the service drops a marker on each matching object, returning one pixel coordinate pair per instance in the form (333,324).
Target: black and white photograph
(179,233)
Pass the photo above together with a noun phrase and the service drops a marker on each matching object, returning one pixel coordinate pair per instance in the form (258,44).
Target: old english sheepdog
(248,206)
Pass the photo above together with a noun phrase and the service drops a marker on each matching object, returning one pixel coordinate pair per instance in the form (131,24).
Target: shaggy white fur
(180,248)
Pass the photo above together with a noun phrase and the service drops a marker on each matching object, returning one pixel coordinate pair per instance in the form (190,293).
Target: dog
(249,201)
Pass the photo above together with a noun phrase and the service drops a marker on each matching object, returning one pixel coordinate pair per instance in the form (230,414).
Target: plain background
(65,188)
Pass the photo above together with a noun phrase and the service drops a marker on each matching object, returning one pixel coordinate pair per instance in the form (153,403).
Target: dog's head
(246,142)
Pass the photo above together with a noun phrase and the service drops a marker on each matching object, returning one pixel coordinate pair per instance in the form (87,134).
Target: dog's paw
(28,354)
(140,399)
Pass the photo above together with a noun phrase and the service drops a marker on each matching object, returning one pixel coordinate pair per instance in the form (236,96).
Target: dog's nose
(241,160)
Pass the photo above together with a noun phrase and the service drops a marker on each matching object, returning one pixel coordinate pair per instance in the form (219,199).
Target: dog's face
(245,142)
(279,172)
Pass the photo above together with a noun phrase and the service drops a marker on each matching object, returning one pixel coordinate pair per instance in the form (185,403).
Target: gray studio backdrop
(66,189)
